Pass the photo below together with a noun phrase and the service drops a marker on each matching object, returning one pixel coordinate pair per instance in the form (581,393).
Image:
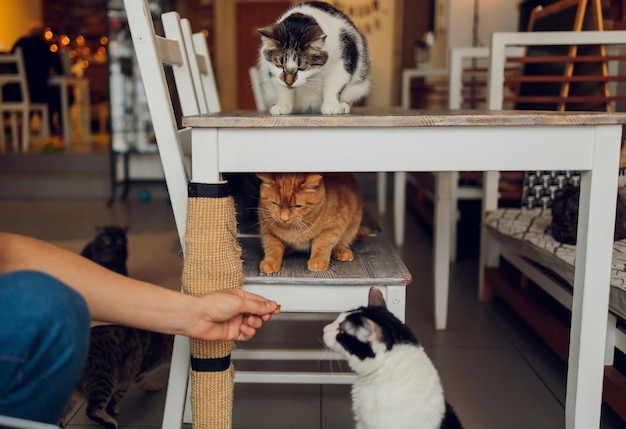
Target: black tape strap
(208,190)
(210,365)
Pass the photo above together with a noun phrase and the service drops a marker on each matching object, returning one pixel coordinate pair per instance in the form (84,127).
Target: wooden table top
(404,118)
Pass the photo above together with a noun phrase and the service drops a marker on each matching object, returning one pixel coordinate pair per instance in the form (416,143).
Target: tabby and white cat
(312,60)
(118,355)
(397,385)
(309,212)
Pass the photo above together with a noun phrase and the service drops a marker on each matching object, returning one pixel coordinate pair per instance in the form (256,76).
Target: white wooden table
(458,141)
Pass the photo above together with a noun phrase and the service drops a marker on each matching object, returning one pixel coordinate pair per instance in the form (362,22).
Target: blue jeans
(44,338)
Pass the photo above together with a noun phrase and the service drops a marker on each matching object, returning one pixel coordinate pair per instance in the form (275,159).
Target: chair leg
(381,192)
(177,384)
(2,134)
(399,205)
(25,130)
(454,207)
(14,131)
(441,228)
(45,123)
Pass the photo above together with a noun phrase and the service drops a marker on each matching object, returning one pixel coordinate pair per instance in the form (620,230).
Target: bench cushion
(529,231)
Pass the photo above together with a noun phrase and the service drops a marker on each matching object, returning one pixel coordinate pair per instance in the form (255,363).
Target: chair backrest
(469,74)
(582,78)
(466,76)
(539,186)
(206,75)
(13,75)
(199,60)
(153,53)
(257,91)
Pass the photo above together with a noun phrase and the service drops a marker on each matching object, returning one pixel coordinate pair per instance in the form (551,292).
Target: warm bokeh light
(64,40)
(85,51)
(104,40)
(84,64)
(80,40)
(54,48)
(48,35)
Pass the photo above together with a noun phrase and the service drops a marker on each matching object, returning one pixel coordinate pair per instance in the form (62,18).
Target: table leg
(441,274)
(594,249)
(399,206)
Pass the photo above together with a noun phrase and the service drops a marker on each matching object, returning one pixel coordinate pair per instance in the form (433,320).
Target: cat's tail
(362,233)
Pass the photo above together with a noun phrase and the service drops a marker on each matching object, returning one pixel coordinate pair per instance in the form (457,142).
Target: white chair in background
(300,294)
(14,73)
(255,81)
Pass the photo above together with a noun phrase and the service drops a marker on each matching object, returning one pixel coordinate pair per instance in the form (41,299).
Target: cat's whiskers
(335,364)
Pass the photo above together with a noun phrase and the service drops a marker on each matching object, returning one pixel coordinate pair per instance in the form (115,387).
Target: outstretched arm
(231,314)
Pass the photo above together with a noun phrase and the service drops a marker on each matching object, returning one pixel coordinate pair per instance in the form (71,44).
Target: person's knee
(44,335)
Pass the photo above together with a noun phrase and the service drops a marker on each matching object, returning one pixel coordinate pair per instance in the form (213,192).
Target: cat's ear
(267,32)
(312,181)
(317,37)
(369,331)
(375,298)
(266,178)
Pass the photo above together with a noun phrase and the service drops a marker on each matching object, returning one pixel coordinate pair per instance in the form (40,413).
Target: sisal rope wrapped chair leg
(212,262)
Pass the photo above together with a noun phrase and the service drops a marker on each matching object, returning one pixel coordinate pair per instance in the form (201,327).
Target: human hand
(229,314)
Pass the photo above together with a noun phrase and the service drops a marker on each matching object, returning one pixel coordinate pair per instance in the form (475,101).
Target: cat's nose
(290,79)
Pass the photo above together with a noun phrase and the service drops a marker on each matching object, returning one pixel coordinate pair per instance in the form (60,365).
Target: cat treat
(313,60)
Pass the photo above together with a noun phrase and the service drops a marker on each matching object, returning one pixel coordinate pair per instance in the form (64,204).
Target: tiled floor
(495,372)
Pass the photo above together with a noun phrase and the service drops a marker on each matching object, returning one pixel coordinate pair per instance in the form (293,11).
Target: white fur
(398,389)
(316,91)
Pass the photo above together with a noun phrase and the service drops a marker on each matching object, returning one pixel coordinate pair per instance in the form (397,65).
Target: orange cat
(310,212)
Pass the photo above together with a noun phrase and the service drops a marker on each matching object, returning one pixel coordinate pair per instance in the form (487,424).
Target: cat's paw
(99,415)
(335,108)
(318,264)
(269,266)
(343,254)
(281,109)
(150,385)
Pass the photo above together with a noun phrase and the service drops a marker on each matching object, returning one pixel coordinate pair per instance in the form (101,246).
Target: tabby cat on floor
(312,60)
(309,212)
(118,356)
(397,385)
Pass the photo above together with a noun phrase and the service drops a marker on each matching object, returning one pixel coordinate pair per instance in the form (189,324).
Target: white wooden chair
(255,81)
(13,72)
(297,293)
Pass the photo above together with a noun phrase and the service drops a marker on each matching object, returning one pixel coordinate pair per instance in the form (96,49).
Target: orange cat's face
(288,199)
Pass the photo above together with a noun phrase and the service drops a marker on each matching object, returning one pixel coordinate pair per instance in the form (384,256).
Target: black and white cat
(397,385)
(312,60)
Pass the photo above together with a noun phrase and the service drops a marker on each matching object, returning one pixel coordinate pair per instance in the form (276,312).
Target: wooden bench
(534,272)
